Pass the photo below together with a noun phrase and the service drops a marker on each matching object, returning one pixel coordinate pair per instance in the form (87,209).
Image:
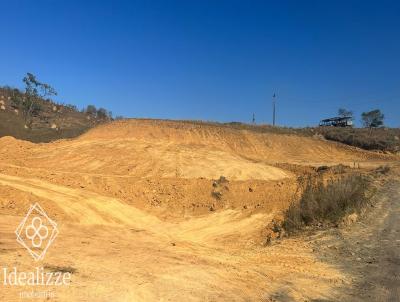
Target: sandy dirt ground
(144,214)
(368,250)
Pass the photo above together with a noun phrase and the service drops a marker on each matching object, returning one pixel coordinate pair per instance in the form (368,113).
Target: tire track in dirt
(206,258)
(89,208)
(84,207)
(384,271)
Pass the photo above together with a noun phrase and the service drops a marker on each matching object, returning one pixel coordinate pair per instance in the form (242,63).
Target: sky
(209,60)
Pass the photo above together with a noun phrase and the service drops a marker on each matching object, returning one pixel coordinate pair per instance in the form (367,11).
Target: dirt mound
(170,149)
(144,213)
(268,147)
(9,144)
(168,167)
(12,141)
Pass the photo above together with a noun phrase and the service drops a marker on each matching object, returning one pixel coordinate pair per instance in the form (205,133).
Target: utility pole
(273,109)
(254,119)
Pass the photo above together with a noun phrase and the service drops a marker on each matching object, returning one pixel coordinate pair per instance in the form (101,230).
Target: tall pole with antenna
(273,109)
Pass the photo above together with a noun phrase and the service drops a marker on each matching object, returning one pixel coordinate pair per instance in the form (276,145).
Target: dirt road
(369,250)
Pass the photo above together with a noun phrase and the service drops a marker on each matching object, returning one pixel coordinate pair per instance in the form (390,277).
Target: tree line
(370,119)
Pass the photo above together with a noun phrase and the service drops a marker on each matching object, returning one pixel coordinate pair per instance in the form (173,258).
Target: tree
(372,119)
(34,92)
(342,112)
(16,99)
(102,113)
(91,110)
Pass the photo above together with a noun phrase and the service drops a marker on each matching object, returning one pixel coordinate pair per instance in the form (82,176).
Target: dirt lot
(144,214)
(369,249)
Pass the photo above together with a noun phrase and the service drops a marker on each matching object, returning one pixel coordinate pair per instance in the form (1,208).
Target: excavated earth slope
(144,214)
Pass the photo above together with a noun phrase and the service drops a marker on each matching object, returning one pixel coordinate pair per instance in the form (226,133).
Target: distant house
(337,122)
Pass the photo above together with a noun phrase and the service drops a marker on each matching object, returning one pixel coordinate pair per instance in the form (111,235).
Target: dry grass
(326,203)
(383,170)
(384,139)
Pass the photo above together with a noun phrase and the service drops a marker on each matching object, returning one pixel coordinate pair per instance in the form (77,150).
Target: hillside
(57,121)
(172,210)
(168,167)
(155,148)
(378,139)
(53,121)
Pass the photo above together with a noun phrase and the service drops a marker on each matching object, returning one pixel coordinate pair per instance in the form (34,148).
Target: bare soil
(143,214)
(369,250)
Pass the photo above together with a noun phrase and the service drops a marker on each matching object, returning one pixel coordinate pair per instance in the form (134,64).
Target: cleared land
(144,214)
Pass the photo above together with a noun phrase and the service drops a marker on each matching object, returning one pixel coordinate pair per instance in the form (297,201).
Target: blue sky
(210,60)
